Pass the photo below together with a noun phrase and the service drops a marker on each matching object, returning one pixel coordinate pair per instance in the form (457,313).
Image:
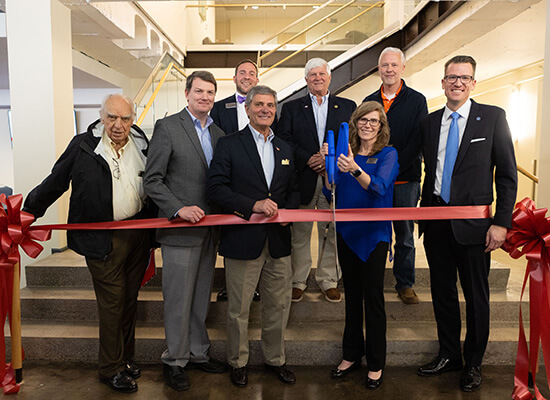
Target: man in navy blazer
(229,114)
(304,123)
(253,172)
(464,145)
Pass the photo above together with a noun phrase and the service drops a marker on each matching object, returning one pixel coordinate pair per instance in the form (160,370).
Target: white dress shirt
(265,151)
(464,112)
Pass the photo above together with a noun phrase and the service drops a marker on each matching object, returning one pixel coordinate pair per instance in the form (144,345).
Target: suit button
(269,195)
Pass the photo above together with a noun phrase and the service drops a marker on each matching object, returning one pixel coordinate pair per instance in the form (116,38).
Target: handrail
(309,14)
(304,31)
(149,80)
(154,96)
(379,4)
(528,174)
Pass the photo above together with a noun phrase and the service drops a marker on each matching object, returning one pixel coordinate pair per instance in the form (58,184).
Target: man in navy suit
(253,172)
(230,115)
(464,145)
(304,123)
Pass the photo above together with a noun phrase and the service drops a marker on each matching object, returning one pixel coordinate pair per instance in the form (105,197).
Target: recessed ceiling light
(254,7)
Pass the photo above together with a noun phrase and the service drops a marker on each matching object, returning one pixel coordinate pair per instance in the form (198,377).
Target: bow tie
(241,99)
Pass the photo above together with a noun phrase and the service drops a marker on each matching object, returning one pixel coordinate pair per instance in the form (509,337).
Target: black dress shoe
(222,294)
(438,366)
(338,373)
(239,376)
(132,369)
(374,383)
(175,377)
(256,296)
(121,382)
(470,379)
(211,366)
(283,373)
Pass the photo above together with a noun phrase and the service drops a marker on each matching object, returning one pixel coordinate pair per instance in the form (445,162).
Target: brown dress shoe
(408,296)
(333,295)
(297,295)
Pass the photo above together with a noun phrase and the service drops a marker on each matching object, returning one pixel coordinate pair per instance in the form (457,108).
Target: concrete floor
(74,382)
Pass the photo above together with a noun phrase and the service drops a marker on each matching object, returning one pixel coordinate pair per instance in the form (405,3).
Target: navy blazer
(236,181)
(297,127)
(224,114)
(486,149)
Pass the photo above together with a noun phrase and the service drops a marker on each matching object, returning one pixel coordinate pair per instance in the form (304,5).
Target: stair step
(409,343)
(68,270)
(80,305)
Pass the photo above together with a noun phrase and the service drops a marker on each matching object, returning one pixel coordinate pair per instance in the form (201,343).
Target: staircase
(60,317)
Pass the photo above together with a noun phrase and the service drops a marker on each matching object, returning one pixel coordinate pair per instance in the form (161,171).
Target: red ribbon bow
(14,232)
(530,236)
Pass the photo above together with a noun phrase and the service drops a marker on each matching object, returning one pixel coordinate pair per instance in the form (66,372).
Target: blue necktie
(451,150)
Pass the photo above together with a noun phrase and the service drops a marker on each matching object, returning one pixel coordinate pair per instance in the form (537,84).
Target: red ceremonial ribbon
(16,230)
(530,235)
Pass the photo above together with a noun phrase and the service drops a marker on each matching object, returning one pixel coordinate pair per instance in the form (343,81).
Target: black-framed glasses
(371,121)
(116,170)
(465,79)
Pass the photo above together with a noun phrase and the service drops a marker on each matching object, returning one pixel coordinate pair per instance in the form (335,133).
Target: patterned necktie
(241,99)
(451,150)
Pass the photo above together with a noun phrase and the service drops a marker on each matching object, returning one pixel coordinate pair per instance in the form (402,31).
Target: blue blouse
(383,168)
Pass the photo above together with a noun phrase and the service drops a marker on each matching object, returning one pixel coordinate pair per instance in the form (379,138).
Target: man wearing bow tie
(253,172)
(304,123)
(230,114)
(464,145)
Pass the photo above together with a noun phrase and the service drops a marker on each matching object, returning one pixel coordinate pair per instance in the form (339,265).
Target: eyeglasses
(372,122)
(116,171)
(465,79)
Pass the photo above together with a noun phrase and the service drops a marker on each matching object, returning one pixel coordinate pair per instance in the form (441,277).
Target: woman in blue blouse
(365,180)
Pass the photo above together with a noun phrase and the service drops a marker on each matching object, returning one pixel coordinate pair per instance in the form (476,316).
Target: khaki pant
(326,274)
(242,276)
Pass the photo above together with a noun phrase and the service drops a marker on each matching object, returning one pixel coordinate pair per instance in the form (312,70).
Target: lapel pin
(285,161)
(277,148)
(336,106)
(306,106)
(478,118)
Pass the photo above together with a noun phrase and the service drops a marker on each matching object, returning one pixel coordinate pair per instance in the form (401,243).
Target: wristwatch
(356,173)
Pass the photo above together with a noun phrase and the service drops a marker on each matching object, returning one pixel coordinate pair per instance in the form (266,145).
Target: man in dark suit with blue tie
(464,145)
(253,172)
(304,123)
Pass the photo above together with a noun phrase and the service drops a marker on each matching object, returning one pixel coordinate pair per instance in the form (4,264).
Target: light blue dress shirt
(204,135)
(320,112)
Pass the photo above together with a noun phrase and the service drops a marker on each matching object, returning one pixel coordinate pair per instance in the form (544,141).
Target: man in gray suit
(179,155)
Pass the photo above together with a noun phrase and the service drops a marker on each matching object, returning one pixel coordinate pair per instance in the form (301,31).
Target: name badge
(372,160)
(285,161)
(231,105)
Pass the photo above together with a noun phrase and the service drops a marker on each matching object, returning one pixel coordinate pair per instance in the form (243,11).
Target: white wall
(171,16)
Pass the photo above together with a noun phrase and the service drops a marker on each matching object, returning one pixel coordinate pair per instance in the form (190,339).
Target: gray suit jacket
(175,175)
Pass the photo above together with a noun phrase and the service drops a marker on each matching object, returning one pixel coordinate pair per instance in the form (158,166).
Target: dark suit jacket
(224,114)
(236,181)
(175,175)
(297,127)
(486,148)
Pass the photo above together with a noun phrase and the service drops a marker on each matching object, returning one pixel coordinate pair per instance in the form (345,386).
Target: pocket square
(285,161)
(481,139)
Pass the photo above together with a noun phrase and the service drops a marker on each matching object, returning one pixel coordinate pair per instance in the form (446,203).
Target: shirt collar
(197,121)
(314,98)
(259,136)
(464,111)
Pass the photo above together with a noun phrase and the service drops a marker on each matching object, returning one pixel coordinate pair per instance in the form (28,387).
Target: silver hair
(260,89)
(315,63)
(392,50)
(103,110)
